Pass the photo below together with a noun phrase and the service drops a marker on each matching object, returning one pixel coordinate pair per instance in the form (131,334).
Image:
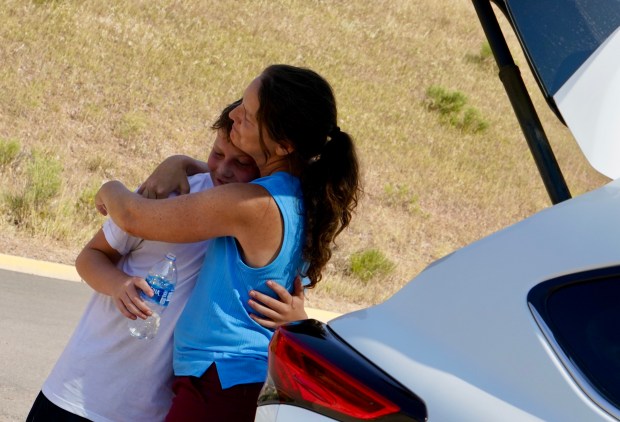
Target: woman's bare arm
(244,211)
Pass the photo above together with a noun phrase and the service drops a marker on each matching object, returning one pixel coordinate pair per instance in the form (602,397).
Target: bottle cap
(171,256)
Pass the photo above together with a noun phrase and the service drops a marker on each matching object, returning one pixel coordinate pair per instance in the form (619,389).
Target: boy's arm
(288,309)
(96,264)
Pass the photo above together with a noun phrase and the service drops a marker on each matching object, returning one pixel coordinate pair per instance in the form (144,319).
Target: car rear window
(580,314)
(561,35)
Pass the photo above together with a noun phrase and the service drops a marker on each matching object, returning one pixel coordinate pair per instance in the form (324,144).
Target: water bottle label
(162,296)
(162,290)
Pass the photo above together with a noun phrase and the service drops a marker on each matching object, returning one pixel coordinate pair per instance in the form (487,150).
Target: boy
(104,374)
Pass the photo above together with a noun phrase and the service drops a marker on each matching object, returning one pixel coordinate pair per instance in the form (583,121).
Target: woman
(274,228)
(104,374)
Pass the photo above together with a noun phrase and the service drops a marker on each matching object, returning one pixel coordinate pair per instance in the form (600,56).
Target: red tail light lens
(315,380)
(310,367)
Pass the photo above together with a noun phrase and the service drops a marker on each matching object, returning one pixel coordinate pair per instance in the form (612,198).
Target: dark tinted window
(559,35)
(583,313)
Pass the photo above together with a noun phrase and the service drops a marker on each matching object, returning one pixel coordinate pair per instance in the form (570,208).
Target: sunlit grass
(114,87)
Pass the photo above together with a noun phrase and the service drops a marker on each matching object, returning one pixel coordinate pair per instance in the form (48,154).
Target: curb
(40,268)
(69,273)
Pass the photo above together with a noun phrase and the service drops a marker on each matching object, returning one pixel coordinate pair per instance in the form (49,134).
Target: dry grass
(114,87)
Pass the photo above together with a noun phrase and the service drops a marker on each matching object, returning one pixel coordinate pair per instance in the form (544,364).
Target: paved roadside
(37,316)
(35,329)
(68,273)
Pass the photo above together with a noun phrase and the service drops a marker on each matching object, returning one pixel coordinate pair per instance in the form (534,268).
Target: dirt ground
(17,244)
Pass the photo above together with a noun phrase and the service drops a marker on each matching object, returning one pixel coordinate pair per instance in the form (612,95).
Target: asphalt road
(37,317)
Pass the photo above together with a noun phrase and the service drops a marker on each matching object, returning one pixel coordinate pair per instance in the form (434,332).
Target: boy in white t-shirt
(106,375)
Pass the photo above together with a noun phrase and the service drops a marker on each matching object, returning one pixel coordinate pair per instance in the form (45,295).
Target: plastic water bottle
(162,278)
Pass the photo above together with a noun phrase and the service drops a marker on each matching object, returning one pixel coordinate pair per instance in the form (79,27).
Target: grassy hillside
(91,91)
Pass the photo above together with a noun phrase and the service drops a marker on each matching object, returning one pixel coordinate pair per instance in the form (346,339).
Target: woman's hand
(127,298)
(171,176)
(277,312)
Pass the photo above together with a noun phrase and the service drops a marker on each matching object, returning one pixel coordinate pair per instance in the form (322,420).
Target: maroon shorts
(203,399)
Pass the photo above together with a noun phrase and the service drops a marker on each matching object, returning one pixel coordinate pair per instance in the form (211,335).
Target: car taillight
(309,366)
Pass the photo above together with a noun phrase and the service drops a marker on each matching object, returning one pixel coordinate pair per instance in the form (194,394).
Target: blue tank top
(215,326)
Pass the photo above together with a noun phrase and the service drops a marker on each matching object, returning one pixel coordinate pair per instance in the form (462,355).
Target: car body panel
(590,101)
(572,49)
(448,326)
(285,413)
(443,335)
(461,335)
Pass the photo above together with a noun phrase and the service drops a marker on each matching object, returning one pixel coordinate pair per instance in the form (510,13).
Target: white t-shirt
(104,374)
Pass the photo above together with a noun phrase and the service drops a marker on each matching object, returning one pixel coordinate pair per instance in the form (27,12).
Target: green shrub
(9,149)
(485,51)
(472,121)
(85,204)
(86,200)
(42,183)
(17,208)
(451,106)
(445,102)
(43,179)
(371,263)
(484,58)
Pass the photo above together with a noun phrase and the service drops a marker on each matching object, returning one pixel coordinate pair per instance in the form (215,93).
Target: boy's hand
(127,298)
(169,176)
(277,312)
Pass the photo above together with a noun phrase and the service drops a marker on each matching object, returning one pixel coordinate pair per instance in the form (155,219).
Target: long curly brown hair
(298,108)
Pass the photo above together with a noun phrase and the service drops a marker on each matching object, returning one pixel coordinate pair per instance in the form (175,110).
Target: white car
(523,325)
